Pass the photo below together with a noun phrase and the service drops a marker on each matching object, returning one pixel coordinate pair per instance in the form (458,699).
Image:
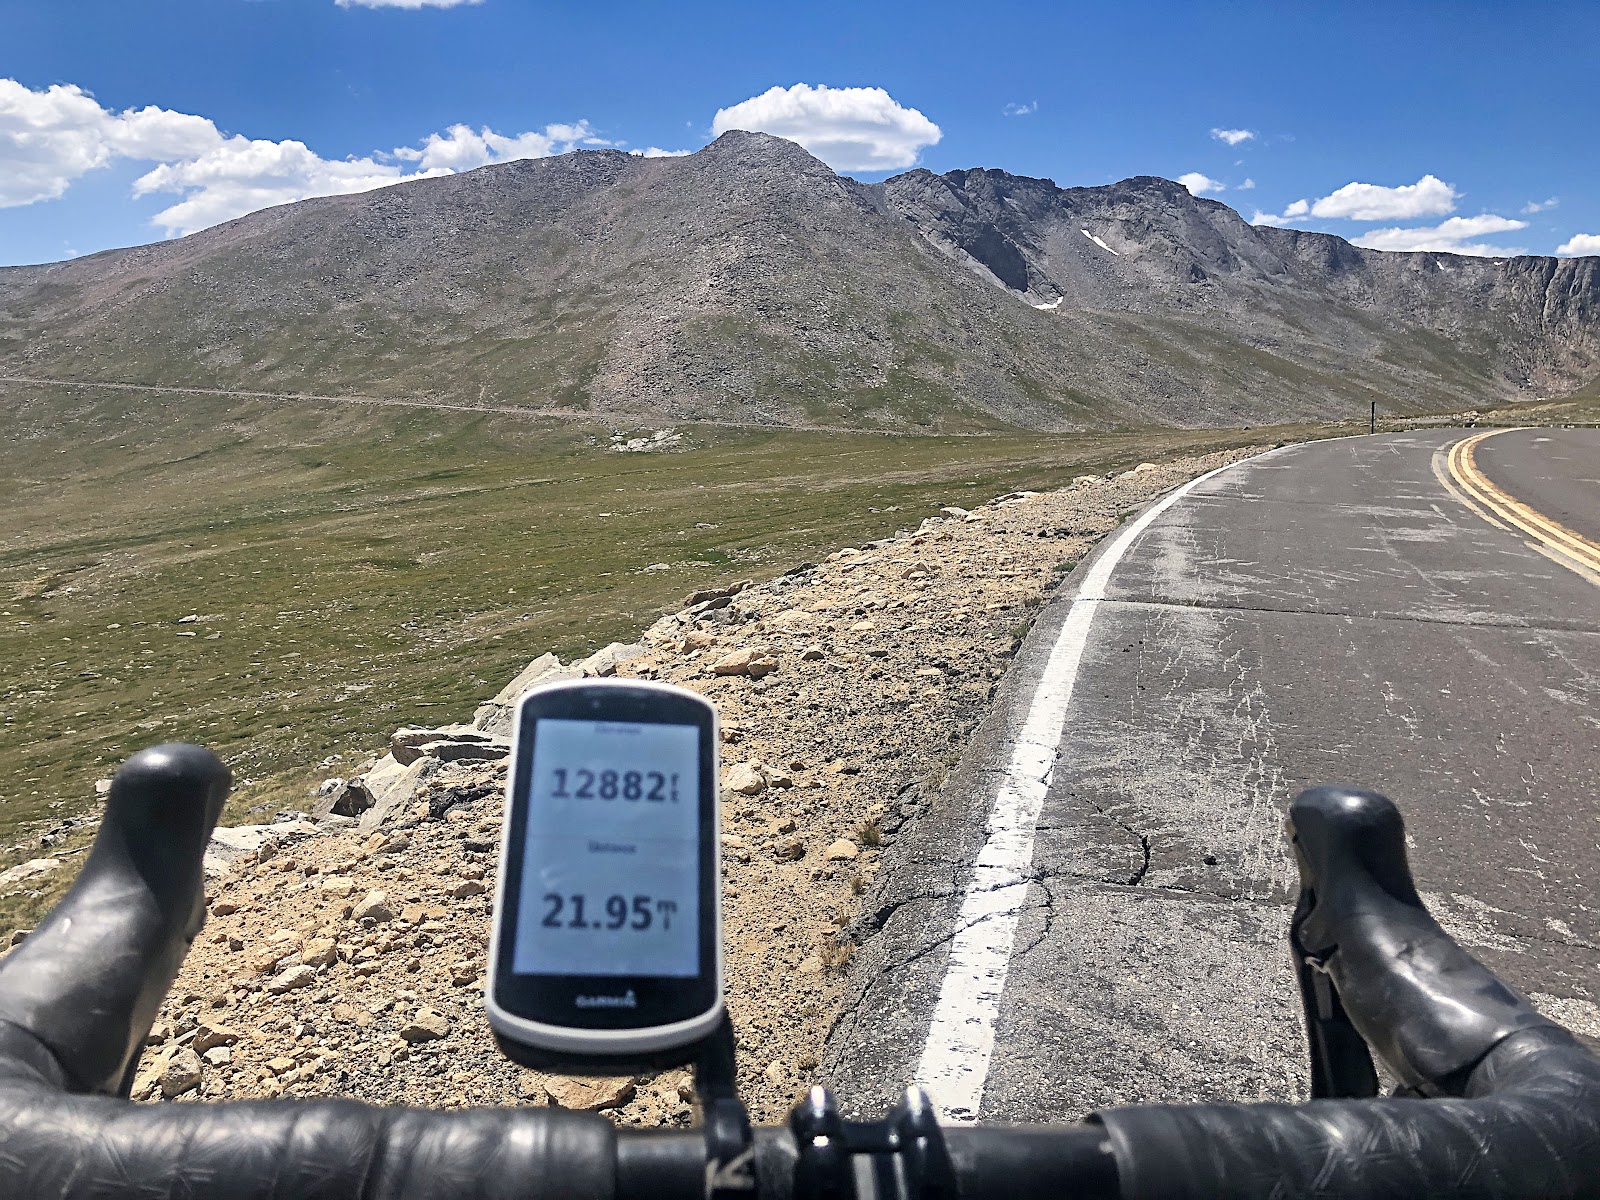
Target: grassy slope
(357,569)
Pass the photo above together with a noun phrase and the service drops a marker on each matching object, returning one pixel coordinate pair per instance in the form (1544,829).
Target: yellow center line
(1570,547)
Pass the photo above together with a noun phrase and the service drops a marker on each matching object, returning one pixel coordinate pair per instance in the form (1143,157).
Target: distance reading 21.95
(618,913)
(616,785)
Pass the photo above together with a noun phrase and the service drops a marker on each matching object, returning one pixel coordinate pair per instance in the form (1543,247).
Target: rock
(224,908)
(495,716)
(862,627)
(349,799)
(697,639)
(393,786)
(451,743)
(589,1095)
(406,743)
(662,439)
(351,1014)
(775,1072)
(737,663)
(181,1073)
(289,980)
(218,1056)
(376,906)
(722,593)
(265,959)
(26,873)
(812,654)
(744,778)
(242,843)
(320,952)
(454,751)
(761,666)
(950,510)
(810,966)
(778,778)
(604,663)
(790,850)
(208,1036)
(468,888)
(425,1026)
(841,851)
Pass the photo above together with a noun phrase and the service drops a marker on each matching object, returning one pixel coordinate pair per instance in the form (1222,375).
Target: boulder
(394,786)
(408,744)
(350,799)
(604,663)
(722,593)
(24,874)
(495,716)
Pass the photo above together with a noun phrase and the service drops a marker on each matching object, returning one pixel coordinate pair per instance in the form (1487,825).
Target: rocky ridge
(344,951)
(749,283)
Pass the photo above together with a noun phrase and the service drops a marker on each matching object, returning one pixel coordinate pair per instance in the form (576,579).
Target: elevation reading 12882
(611,862)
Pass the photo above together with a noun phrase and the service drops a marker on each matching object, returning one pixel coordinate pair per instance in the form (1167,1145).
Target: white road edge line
(954,1067)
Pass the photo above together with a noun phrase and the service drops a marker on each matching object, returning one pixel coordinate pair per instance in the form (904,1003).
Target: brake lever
(1341,1061)
(86,985)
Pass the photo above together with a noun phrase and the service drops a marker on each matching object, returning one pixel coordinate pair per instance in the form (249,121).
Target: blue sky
(1460,122)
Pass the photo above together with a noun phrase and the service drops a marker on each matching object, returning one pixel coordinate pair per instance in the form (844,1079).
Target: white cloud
(658,152)
(1247,185)
(1428,197)
(51,137)
(1020,110)
(1199,184)
(1233,136)
(1580,243)
(1299,208)
(404,3)
(1539,206)
(461,148)
(1265,218)
(1448,237)
(850,129)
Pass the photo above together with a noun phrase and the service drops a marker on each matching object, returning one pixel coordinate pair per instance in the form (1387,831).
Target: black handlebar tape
(1532,1129)
(88,982)
(1427,1008)
(59,1147)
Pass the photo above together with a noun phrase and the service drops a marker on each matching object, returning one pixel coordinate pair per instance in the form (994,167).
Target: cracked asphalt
(1326,613)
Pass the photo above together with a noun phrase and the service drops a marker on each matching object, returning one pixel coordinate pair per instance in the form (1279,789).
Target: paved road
(1334,612)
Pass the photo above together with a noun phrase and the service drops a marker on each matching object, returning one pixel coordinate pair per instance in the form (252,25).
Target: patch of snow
(1052,306)
(1098,242)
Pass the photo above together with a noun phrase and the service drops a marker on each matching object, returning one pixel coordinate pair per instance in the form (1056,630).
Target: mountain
(749,282)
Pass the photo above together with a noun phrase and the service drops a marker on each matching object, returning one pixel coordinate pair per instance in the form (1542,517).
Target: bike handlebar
(1514,1107)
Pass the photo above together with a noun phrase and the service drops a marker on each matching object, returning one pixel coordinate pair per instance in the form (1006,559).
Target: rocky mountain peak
(749,281)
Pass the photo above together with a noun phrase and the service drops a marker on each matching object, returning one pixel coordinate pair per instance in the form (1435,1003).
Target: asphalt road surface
(1094,911)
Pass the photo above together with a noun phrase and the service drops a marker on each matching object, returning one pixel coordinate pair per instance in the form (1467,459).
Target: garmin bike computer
(607,944)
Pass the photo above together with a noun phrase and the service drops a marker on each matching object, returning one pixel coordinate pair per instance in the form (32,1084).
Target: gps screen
(611,862)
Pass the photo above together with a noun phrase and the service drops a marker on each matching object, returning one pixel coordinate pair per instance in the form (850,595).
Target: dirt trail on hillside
(351,962)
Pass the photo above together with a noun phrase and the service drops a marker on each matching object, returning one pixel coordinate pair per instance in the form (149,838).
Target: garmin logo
(626,1000)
